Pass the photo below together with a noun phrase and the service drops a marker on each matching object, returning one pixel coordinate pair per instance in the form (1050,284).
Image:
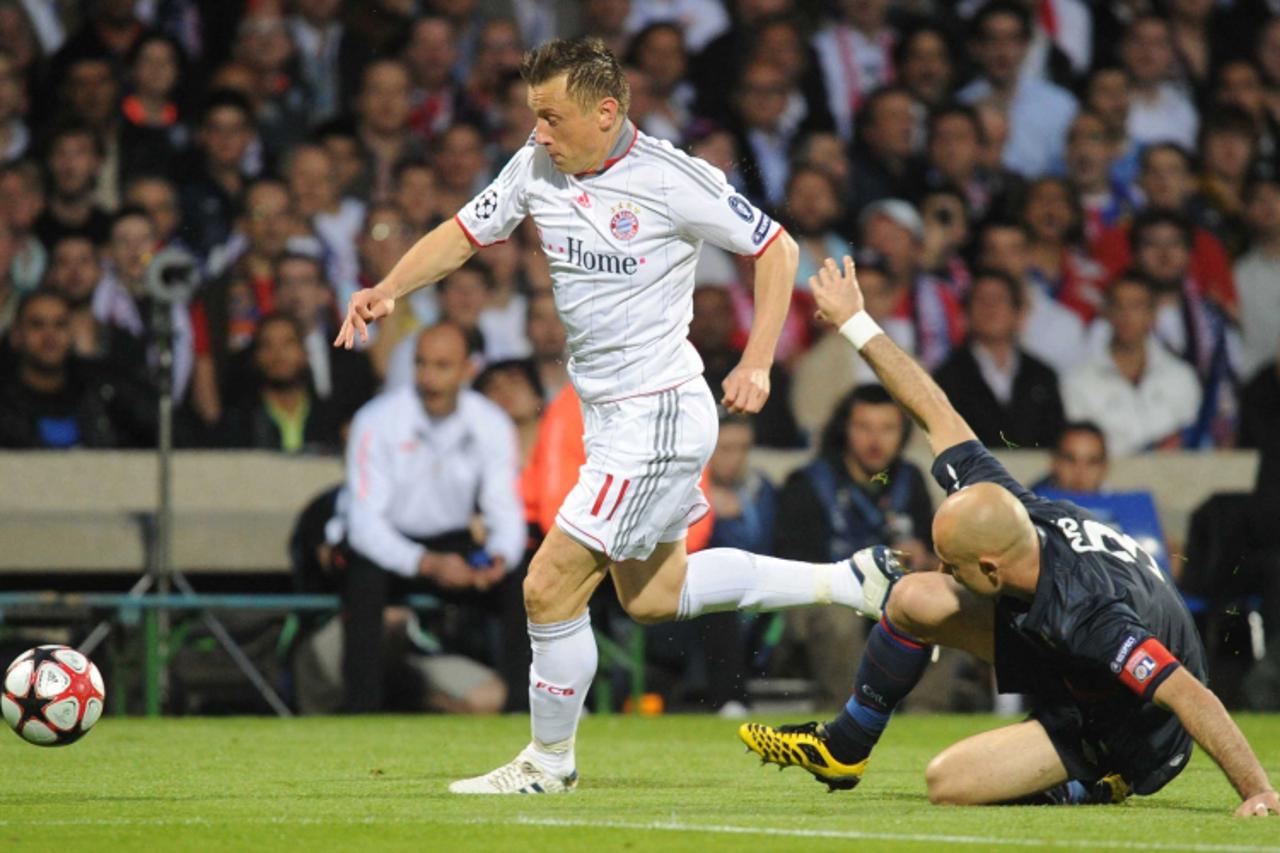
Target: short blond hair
(592,71)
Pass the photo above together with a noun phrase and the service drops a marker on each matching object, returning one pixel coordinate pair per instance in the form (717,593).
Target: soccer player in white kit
(622,217)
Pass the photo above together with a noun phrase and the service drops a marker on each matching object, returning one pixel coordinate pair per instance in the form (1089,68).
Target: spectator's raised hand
(837,293)
(366,306)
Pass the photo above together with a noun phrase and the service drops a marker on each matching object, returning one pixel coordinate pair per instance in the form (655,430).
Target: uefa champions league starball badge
(624,224)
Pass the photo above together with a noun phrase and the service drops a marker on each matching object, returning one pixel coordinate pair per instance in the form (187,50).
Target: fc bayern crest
(624,224)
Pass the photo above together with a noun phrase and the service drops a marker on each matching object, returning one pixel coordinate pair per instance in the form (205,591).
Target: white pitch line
(651,826)
(857,835)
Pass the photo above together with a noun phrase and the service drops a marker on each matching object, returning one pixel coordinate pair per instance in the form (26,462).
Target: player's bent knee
(912,604)
(945,787)
(539,589)
(650,610)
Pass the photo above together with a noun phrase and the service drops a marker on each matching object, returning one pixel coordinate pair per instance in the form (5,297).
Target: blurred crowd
(1068,212)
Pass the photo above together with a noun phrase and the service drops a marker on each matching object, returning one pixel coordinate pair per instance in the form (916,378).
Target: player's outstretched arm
(1204,718)
(746,388)
(840,303)
(440,251)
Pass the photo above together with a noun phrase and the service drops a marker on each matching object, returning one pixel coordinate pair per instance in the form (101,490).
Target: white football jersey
(622,244)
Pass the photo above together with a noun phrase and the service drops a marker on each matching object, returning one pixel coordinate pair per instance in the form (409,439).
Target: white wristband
(859,329)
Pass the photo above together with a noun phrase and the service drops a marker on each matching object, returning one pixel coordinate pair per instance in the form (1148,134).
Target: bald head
(984,536)
(441,367)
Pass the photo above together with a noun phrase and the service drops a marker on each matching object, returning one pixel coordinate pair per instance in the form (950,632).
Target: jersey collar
(621,147)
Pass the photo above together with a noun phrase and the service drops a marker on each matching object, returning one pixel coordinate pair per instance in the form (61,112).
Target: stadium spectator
(1037,111)
(1190,323)
(341,379)
(893,229)
(514,120)
(121,298)
(111,28)
(711,332)
(158,197)
(1257,276)
(383,110)
(813,208)
(781,40)
(1259,405)
(858,492)
(924,63)
(264,49)
(1079,462)
(227,310)
(90,95)
(315,198)
(329,56)
(340,139)
(827,371)
(719,66)
(884,153)
(764,133)
(419,460)
(498,53)
(283,413)
(1228,148)
(1091,158)
(1060,265)
(462,169)
(513,384)
(1051,331)
(506,311)
(15,133)
(1106,92)
(437,99)
(1166,183)
(21,202)
(742,498)
(215,174)
(1008,396)
(701,20)
(1140,394)
(1159,108)
(548,343)
(955,142)
(946,234)
(152,132)
(1239,84)
(416,195)
(73,159)
(46,399)
(856,54)
(658,51)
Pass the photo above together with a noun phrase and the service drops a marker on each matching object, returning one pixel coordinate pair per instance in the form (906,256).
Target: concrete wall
(89,510)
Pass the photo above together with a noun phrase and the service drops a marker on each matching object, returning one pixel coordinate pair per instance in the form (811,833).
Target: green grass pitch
(668,783)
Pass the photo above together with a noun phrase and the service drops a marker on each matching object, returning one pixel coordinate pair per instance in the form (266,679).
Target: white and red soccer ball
(52,695)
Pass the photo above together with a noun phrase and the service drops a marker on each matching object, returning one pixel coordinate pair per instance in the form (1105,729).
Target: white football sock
(729,579)
(564,663)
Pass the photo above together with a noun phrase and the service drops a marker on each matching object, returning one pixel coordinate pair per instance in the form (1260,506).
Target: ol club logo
(624,224)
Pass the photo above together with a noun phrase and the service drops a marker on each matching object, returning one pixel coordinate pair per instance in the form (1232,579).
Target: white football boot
(521,776)
(877,569)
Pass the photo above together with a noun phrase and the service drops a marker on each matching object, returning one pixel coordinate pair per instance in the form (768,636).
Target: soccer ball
(52,695)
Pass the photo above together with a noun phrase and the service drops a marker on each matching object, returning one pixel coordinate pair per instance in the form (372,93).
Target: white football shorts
(640,485)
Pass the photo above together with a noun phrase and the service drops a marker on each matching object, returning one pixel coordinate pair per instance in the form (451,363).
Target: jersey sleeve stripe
(769,242)
(669,158)
(467,231)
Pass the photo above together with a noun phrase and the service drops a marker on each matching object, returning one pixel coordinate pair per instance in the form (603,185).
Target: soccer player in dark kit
(1071,613)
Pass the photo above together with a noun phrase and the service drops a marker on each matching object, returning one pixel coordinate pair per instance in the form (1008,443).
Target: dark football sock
(1072,793)
(891,665)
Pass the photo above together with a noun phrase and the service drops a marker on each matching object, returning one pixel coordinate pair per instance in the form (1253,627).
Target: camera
(172,276)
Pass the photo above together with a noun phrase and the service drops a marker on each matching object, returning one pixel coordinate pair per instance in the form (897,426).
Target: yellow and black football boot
(803,745)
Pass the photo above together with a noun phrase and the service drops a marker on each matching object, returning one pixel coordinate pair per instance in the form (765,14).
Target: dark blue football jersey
(1104,620)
